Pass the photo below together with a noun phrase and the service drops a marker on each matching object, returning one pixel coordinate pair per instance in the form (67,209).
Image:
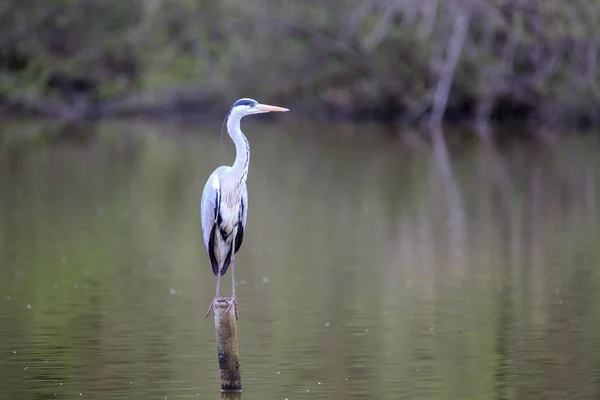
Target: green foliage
(342,54)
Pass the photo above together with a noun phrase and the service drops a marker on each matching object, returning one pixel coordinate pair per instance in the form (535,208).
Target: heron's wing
(209,205)
(239,238)
(209,209)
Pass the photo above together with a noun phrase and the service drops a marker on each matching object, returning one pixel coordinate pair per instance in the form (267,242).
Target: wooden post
(227,346)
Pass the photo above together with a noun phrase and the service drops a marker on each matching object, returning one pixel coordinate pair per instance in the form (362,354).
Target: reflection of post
(231,395)
(227,346)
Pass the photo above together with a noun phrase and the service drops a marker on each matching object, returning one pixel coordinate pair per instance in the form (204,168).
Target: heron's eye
(251,105)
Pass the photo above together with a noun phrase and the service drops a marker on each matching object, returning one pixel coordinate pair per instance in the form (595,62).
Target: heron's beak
(267,108)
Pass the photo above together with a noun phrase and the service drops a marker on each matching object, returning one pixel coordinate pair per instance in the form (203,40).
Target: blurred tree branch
(392,58)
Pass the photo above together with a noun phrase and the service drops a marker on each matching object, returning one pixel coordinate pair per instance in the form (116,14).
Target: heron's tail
(211,251)
(226,262)
(214,260)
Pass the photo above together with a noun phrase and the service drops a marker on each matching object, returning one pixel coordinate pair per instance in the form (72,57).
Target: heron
(224,204)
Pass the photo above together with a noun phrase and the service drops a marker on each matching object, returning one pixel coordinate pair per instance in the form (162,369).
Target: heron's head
(246,106)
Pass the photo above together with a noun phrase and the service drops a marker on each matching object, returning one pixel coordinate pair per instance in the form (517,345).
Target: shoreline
(202,108)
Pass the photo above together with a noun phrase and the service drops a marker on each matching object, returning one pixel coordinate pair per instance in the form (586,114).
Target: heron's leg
(233,298)
(232,264)
(212,303)
(218,284)
(233,276)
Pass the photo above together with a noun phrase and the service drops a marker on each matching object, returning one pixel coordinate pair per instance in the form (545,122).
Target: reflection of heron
(224,204)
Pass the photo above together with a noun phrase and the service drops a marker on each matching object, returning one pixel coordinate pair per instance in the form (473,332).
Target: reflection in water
(373,267)
(451,193)
(231,396)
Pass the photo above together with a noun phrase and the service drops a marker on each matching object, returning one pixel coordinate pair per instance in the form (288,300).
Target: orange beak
(266,107)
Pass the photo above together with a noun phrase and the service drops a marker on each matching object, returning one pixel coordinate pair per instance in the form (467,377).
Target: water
(374,266)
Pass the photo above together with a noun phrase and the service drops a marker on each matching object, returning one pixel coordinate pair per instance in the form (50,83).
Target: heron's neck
(242,149)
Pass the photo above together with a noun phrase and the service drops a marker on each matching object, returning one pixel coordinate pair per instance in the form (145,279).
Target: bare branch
(455,45)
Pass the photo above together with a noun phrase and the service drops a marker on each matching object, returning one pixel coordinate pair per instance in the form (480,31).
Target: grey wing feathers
(209,211)
(210,216)
(208,206)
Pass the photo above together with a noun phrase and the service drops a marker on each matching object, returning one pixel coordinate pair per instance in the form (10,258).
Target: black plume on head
(243,102)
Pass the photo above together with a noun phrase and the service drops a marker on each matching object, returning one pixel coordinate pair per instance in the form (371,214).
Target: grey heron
(224,204)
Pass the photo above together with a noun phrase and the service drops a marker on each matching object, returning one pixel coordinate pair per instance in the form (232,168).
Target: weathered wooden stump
(227,346)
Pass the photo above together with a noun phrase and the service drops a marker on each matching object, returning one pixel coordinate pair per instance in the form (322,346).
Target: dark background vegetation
(409,60)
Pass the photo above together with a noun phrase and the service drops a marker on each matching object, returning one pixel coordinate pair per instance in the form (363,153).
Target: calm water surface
(374,266)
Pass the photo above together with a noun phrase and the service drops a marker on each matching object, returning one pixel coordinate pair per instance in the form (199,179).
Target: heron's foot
(230,301)
(212,305)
